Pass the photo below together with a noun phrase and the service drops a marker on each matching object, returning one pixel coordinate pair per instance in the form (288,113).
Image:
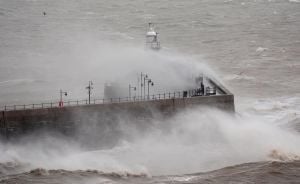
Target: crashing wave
(278,155)
(45,172)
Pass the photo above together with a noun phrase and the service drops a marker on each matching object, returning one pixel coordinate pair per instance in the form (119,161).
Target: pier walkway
(162,96)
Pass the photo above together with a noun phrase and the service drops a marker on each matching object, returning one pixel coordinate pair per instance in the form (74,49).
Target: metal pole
(89,95)
(89,88)
(144,87)
(148,90)
(60,95)
(137,85)
(129,92)
(141,84)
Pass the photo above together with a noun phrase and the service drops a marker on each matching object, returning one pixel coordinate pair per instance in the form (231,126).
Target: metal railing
(161,96)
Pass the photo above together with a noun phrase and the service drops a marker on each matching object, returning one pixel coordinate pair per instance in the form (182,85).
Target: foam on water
(197,140)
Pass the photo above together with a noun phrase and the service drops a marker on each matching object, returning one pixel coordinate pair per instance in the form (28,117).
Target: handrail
(71,103)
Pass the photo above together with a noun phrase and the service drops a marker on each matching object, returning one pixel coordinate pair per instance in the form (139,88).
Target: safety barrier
(162,96)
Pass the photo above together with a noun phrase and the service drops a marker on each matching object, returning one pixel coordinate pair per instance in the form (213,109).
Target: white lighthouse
(152,40)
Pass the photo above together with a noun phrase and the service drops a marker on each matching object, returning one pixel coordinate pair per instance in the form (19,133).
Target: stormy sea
(250,46)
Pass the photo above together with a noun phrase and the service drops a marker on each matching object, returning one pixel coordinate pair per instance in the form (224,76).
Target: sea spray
(194,140)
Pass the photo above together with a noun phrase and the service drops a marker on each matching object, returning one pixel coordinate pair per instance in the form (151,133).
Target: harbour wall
(101,120)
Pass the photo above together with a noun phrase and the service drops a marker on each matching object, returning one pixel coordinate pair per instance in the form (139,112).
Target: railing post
(174,95)
(24,107)
(94,101)
(164,95)
(152,97)
(42,105)
(103,100)
(119,99)
(5,107)
(169,95)
(159,96)
(14,107)
(33,106)
(51,104)
(111,100)
(86,101)
(77,102)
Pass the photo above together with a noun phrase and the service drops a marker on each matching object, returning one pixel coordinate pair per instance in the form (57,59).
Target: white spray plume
(71,70)
(196,140)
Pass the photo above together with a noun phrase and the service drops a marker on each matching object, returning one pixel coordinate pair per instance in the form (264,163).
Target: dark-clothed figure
(202,88)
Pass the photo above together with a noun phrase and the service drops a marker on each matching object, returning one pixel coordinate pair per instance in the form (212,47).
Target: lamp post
(61,92)
(138,84)
(143,84)
(89,88)
(131,87)
(145,78)
(149,81)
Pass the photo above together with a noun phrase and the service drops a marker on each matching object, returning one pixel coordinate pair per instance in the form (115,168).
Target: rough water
(251,46)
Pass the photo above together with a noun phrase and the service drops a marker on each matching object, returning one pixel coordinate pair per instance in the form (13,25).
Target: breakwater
(101,117)
(104,120)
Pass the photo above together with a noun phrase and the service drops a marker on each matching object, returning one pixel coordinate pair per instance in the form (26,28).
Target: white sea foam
(261,49)
(197,140)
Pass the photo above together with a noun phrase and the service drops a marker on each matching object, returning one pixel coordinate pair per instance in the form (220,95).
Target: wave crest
(45,172)
(278,155)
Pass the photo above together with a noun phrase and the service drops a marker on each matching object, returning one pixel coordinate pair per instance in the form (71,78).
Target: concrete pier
(105,120)
(66,120)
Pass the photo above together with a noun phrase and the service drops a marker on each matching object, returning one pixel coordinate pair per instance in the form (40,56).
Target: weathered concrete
(68,120)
